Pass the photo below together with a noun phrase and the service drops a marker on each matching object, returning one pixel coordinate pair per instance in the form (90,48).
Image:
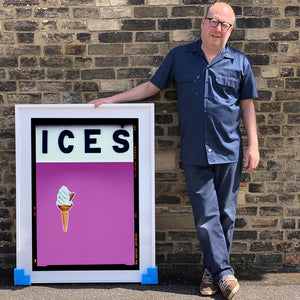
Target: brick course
(73,51)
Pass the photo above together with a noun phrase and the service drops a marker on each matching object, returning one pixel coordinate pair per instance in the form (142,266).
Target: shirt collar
(225,53)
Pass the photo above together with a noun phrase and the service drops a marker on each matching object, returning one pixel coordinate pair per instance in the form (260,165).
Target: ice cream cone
(65,215)
(64,204)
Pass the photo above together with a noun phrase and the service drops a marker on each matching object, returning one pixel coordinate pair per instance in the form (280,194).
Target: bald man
(215,89)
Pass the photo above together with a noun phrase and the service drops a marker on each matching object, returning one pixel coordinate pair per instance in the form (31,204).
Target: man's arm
(139,92)
(249,120)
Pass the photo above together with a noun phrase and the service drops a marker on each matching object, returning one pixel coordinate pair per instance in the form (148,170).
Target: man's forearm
(139,92)
(249,120)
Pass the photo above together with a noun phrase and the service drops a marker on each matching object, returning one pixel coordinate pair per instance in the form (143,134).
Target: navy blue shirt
(209,96)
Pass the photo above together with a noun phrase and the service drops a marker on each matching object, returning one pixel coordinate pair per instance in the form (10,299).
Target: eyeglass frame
(219,22)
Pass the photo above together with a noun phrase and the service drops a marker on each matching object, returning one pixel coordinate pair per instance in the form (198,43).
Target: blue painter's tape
(20,278)
(151,277)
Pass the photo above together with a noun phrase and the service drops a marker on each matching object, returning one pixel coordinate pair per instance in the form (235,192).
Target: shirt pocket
(188,86)
(230,82)
(228,87)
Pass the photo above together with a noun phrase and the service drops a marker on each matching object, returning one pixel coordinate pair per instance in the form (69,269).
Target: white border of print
(23,115)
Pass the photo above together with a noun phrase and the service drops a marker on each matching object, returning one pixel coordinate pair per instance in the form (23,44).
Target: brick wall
(72,51)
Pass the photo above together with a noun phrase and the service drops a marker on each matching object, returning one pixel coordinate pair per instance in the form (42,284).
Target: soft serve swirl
(63,197)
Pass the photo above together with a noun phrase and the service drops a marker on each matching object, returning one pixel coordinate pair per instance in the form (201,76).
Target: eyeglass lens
(215,23)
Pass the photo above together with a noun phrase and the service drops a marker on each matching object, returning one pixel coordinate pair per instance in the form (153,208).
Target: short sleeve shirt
(209,96)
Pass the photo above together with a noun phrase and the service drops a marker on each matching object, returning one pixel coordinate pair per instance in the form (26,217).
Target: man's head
(216,27)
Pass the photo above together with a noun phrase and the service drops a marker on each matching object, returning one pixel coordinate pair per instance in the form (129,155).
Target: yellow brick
(269,72)
(115,85)
(241,198)
(183,35)
(118,2)
(175,221)
(102,3)
(257,35)
(116,12)
(97,25)
(163,2)
(165,161)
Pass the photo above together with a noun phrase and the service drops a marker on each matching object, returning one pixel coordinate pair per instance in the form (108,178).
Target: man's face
(215,38)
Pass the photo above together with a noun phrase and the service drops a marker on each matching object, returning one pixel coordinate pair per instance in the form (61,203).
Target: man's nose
(217,27)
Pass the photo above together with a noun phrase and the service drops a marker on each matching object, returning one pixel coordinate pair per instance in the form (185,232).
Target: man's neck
(210,54)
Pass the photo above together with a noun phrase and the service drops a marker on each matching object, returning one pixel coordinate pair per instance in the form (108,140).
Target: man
(215,88)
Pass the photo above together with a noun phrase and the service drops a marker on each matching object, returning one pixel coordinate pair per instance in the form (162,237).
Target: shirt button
(209,150)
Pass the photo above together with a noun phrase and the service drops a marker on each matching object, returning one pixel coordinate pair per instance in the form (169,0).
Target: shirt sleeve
(248,89)
(164,74)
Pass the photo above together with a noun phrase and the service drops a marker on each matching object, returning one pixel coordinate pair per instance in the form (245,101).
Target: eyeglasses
(214,23)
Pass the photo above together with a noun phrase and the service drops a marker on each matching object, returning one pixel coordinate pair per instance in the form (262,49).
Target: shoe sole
(208,293)
(234,291)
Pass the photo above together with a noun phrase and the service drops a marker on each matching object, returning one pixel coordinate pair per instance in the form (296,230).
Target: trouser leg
(213,192)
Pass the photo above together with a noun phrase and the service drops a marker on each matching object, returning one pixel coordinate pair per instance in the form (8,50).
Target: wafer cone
(65,213)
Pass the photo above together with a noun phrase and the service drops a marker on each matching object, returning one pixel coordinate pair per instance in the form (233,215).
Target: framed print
(85,193)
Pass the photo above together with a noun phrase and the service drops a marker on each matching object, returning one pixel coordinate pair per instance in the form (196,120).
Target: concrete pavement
(279,286)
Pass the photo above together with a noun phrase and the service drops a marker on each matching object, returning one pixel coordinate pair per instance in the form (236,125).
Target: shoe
(229,286)
(207,286)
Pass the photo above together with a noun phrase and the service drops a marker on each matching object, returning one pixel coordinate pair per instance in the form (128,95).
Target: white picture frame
(145,271)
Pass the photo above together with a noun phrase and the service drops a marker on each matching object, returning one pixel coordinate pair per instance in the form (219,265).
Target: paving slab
(284,286)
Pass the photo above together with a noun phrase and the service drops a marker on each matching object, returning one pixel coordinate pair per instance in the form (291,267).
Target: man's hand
(100,101)
(251,159)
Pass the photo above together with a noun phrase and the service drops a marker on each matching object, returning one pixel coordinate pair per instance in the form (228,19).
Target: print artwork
(85,195)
